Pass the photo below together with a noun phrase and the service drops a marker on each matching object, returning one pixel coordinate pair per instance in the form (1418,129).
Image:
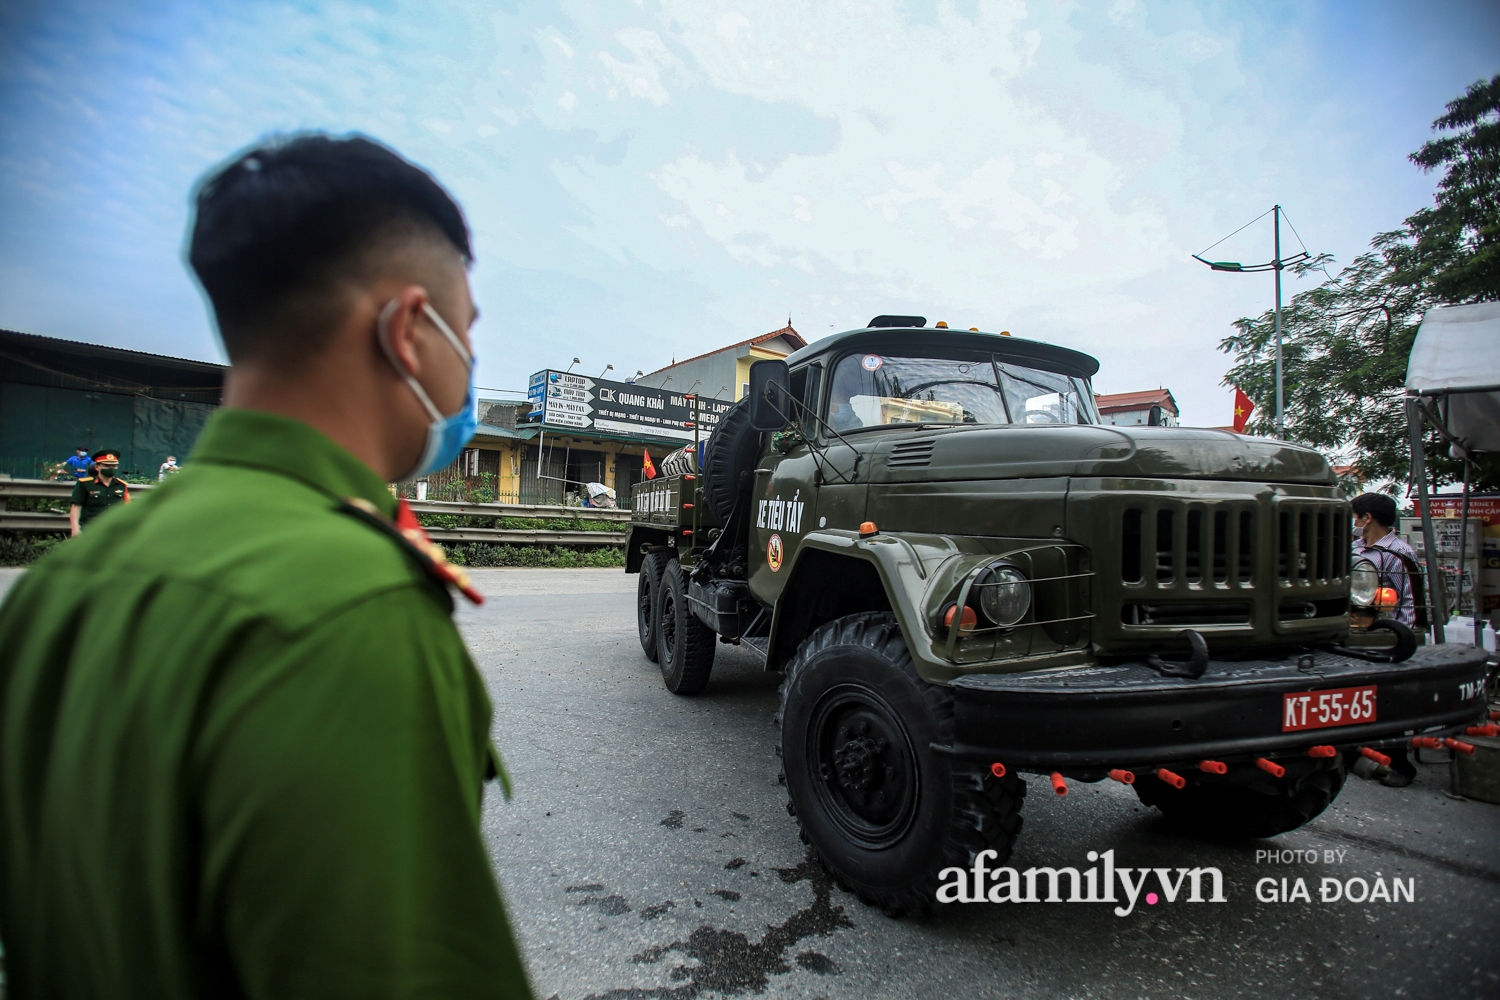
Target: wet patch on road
(673,820)
(728,963)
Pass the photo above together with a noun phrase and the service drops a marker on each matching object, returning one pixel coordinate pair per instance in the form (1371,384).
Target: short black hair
(292,215)
(1377,505)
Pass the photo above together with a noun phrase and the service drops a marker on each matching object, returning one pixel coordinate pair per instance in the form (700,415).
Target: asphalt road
(647,854)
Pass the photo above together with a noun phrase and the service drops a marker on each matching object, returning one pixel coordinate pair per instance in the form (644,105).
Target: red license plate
(1325,709)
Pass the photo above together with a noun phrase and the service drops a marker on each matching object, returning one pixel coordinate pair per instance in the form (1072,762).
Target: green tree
(1345,343)
(1457,241)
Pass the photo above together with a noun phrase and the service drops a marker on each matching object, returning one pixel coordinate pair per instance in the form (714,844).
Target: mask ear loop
(447,331)
(383,335)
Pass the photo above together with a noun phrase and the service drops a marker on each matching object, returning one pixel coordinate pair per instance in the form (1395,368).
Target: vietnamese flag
(1242,408)
(648,466)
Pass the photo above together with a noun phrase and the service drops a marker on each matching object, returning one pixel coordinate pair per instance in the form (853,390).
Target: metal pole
(1414,420)
(1276,263)
(1463,557)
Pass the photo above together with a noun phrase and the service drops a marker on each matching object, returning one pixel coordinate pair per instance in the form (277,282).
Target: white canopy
(1457,350)
(1457,353)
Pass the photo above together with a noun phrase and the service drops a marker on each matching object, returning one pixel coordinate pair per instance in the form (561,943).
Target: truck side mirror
(770,395)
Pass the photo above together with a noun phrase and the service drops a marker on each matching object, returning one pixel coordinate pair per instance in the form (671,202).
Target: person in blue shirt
(79,465)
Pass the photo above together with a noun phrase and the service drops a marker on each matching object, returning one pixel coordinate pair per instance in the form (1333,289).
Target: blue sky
(652,180)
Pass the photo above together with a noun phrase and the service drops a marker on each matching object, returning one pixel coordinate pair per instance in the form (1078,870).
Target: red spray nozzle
(1322,752)
(997,769)
(1175,780)
(1376,756)
(1213,766)
(1059,785)
(1123,777)
(1426,743)
(1272,768)
(1459,745)
(1482,731)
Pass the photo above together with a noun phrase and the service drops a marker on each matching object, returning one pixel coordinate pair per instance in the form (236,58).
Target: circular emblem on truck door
(774,553)
(872,362)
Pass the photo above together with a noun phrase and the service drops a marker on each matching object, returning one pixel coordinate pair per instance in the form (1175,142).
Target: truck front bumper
(1084,721)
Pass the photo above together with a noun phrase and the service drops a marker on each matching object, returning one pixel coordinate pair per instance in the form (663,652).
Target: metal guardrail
(61,489)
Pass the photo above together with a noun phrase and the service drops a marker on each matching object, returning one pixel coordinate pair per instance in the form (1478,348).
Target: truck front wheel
(684,645)
(1230,810)
(883,813)
(648,602)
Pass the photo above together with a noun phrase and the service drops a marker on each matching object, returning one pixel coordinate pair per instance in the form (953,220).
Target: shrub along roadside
(22,548)
(485,554)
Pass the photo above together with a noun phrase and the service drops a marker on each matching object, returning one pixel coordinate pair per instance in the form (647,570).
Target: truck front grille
(1312,546)
(1180,544)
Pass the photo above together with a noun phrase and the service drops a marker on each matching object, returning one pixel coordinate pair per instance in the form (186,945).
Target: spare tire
(733,449)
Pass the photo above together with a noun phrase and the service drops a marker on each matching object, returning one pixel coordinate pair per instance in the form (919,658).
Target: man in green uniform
(95,494)
(242,746)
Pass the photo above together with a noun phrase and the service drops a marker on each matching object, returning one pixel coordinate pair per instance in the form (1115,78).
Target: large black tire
(684,645)
(732,450)
(648,602)
(882,812)
(1235,810)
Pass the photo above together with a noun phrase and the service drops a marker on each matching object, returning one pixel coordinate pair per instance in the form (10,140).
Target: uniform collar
(290,448)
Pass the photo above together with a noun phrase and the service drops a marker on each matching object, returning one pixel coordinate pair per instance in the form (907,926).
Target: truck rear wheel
(648,602)
(684,645)
(882,812)
(1240,811)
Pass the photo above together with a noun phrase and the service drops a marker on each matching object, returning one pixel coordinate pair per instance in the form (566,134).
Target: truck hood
(935,454)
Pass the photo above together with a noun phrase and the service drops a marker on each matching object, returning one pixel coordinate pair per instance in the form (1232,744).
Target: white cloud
(642,76)
(1009,203)
(568,101)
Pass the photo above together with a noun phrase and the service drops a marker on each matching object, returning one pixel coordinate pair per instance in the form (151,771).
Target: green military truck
(964,576)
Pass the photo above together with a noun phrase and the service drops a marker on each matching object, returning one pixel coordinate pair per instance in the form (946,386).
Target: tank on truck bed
(966,577)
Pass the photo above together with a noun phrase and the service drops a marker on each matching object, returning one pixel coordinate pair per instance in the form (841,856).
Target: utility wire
(1321,267)
(1241,229)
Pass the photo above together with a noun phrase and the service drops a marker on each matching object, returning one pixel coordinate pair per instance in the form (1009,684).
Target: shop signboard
(575,402)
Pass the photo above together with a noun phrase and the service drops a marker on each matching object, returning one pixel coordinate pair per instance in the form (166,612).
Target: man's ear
(397,325)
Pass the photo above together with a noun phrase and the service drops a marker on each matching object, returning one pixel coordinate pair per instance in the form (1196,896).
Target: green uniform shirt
(242,748)
(95,497)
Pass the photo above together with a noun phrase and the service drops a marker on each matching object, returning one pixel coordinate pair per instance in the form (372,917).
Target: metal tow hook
(1193,667)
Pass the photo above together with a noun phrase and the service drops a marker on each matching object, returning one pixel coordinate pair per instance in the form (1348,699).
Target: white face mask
(446,435)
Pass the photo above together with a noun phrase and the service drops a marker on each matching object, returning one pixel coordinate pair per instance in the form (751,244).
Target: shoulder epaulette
(407,531)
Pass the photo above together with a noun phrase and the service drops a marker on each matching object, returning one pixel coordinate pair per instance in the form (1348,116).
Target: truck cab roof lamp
(915,322)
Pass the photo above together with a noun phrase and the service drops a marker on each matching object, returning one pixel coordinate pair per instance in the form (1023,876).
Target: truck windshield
(877,390)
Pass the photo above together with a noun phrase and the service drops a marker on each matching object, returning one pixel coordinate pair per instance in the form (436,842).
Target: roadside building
(574,429)
(1152,408)
(56,395)
(725,373)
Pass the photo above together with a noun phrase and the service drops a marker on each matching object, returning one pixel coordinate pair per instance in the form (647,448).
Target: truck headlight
(1004,595)
(1364,583)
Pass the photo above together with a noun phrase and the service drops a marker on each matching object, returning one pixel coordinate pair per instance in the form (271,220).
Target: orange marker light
(1386,599)
(1272,768)
(1175,780)
(1123,777)
(1376,756)
(867,528)
(997,769)
(1322,752)
(1059,785)
(968,621)
(1213,766)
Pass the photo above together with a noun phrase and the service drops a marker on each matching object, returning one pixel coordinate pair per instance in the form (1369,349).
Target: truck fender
(639,540)
(874,574)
